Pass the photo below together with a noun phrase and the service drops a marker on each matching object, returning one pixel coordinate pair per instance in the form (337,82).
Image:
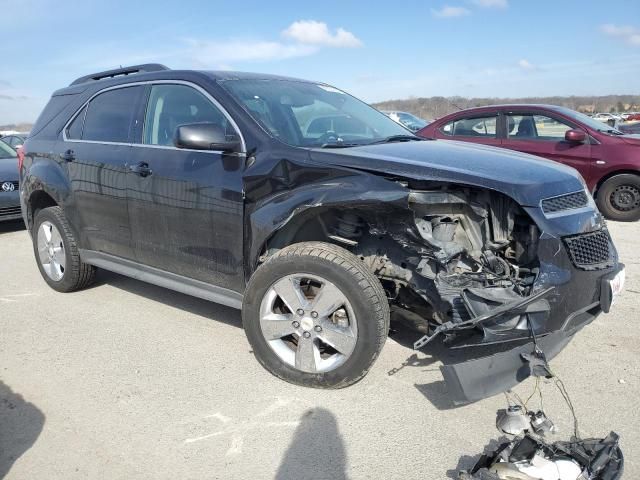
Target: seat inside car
(526,128)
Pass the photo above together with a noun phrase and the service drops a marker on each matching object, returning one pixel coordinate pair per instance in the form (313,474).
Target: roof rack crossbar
(147,67)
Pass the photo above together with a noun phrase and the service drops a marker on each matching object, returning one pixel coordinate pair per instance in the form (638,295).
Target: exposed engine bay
(459,254)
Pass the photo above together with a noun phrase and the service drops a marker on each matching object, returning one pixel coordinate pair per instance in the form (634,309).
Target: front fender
(329,187)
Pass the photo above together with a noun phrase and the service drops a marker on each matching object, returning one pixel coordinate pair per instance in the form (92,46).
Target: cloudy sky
(375,50)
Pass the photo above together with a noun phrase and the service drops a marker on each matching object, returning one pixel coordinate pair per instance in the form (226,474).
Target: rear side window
(483,127)
(110,115)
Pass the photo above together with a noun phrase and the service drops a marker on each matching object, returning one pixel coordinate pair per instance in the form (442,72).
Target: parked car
(607,117)
(206,183)
(9,200)
(15,140)
(407,119)
(608,160)
(633,117)
(630,128)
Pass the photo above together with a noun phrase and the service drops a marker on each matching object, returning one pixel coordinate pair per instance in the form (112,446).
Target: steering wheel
(328,137)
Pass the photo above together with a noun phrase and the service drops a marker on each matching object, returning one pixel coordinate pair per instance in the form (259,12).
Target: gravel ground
(130,381)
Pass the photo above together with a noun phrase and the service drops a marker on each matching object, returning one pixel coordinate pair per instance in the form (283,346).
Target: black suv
(222,185)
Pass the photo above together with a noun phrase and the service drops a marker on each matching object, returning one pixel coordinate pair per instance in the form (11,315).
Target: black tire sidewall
(604,194)
(367,344)
(67,281)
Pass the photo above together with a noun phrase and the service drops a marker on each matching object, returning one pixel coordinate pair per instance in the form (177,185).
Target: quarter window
(74,130)
(483,127)
(173,105)
(110,115)
(535,127)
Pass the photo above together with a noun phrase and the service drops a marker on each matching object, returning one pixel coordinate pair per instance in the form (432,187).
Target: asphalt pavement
(126,380)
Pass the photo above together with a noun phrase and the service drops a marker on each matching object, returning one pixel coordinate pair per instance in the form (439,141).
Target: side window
(74,130)
(173,105)
(483,127)
(535,127)
(110,115)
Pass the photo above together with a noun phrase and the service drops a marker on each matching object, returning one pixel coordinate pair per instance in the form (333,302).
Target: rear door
(542,133)
(483,128)
(186,206)
(96,148)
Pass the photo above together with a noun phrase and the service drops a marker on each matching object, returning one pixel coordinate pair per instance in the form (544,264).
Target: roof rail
(147,67)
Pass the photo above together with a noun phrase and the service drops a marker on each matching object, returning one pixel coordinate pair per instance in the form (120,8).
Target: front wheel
(619,198)
(315,315)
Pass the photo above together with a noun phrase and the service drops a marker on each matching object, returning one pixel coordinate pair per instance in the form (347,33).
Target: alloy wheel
(51,251)
(309,323)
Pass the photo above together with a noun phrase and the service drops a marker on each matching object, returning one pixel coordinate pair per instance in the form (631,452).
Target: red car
(608,160)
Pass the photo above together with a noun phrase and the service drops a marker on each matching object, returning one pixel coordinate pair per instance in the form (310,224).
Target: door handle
(141,169)
(68,156)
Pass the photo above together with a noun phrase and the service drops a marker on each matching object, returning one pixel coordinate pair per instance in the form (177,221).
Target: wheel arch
(279,220)
(38,200)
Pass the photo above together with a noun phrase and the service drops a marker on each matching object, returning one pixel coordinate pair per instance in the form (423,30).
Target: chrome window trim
(198,88)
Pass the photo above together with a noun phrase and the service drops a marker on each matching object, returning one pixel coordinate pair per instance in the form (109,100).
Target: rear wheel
(57,253)
(619,198)
(315,315)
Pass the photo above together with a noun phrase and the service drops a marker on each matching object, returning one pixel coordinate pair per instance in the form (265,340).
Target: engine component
(444,228)
(541,423)
(528,457)
(513,421)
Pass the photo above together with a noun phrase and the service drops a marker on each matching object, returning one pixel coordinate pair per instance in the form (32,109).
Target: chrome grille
(9,211)
(591,251)
(565,202)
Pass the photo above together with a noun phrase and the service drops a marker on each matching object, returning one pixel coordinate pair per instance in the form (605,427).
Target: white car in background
(407,119)
(606,117)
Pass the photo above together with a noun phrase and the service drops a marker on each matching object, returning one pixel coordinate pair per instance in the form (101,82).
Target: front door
(543,135)
(96,150)
(186,206)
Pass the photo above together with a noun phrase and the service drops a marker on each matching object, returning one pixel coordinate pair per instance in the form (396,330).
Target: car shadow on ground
(11,226)
(194,305)
(316,451)
(20,425)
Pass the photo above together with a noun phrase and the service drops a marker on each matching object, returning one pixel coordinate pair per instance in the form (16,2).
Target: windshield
(588,121)
(312,115)
(6,151)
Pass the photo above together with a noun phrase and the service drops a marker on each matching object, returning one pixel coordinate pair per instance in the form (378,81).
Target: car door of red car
(483,128)
(543,134)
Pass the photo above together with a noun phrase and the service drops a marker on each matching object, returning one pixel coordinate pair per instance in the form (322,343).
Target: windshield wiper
(397,138)
(339,145)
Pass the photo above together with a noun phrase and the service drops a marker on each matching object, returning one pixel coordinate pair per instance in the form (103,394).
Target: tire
(73,274)
(346,278)
(619,198)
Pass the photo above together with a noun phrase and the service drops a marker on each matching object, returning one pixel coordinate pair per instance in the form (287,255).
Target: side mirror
(575,136)
(204,136)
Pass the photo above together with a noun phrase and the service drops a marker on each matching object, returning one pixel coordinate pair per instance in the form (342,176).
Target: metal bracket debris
(452,326)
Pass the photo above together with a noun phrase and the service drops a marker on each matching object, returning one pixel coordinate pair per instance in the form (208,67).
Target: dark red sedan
(608,160)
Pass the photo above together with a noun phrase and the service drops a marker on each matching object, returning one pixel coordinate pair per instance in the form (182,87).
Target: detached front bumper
(577,297)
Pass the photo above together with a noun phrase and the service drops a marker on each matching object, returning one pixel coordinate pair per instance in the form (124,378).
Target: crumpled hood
(8,169)
(525,178)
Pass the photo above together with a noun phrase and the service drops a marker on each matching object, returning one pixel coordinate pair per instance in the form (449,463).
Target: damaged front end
(494,276)
(474,267)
